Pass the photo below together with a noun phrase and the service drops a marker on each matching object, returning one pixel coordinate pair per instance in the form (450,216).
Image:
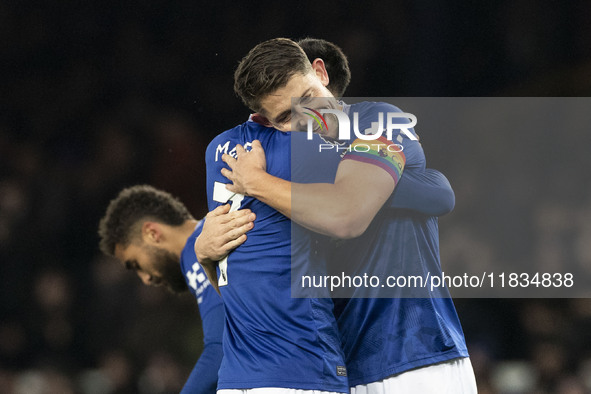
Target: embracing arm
(343,209)
(222,232)
(428,192)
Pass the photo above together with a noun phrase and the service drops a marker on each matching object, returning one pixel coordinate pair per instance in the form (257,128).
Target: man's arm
(428,192)
(222,232)
(204,376)
(343,209)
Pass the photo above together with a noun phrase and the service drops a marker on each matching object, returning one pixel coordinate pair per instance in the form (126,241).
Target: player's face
(289,115)
(155,266)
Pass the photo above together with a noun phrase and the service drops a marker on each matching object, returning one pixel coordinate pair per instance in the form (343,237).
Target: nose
(299,121)
(301,124)
(145,277)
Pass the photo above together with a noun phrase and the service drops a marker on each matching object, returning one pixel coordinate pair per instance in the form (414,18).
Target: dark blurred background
(96,96)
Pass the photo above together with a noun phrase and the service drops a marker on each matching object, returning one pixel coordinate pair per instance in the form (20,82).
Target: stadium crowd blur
(101,95)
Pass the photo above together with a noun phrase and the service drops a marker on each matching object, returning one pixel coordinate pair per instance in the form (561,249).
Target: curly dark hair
(337,65)
(133,205)
(266,68)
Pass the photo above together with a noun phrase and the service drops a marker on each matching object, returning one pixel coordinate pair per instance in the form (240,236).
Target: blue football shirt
(386,336)
(270,339)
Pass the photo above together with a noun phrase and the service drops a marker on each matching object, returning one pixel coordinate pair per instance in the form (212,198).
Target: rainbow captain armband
(380,152)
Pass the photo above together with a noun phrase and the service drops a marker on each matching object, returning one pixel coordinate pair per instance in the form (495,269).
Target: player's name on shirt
(225,148)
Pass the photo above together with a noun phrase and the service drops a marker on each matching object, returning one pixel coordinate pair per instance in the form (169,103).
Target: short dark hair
(133,205)
(266,68)
(337,65)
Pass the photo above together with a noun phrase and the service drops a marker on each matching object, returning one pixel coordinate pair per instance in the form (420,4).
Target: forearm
(212,275)
(427,191)
(204,376)
(323,208)
(340,210)
(222,232)
(273,191)
(314,206)
(203,259)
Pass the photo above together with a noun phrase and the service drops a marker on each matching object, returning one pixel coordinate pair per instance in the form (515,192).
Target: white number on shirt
(223,195)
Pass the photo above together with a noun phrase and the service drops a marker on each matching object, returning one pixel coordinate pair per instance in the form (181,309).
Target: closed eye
(284,118)
(131,265)
(306,99)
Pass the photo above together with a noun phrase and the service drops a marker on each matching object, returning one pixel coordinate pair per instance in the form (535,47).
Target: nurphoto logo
(344,124)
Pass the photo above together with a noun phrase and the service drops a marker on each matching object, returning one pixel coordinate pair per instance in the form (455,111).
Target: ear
(260,119)
(320,70)
(152,233)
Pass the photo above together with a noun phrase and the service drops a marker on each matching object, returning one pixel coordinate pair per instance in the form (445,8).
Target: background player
(150,232)
(382,338)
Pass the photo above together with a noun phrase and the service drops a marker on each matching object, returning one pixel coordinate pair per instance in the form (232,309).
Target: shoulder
(243,134)
(188,253)
(227,136)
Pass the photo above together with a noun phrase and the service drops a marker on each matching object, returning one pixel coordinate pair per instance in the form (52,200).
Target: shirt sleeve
(417,188)
(204,376)
(379,152)
(427,192)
